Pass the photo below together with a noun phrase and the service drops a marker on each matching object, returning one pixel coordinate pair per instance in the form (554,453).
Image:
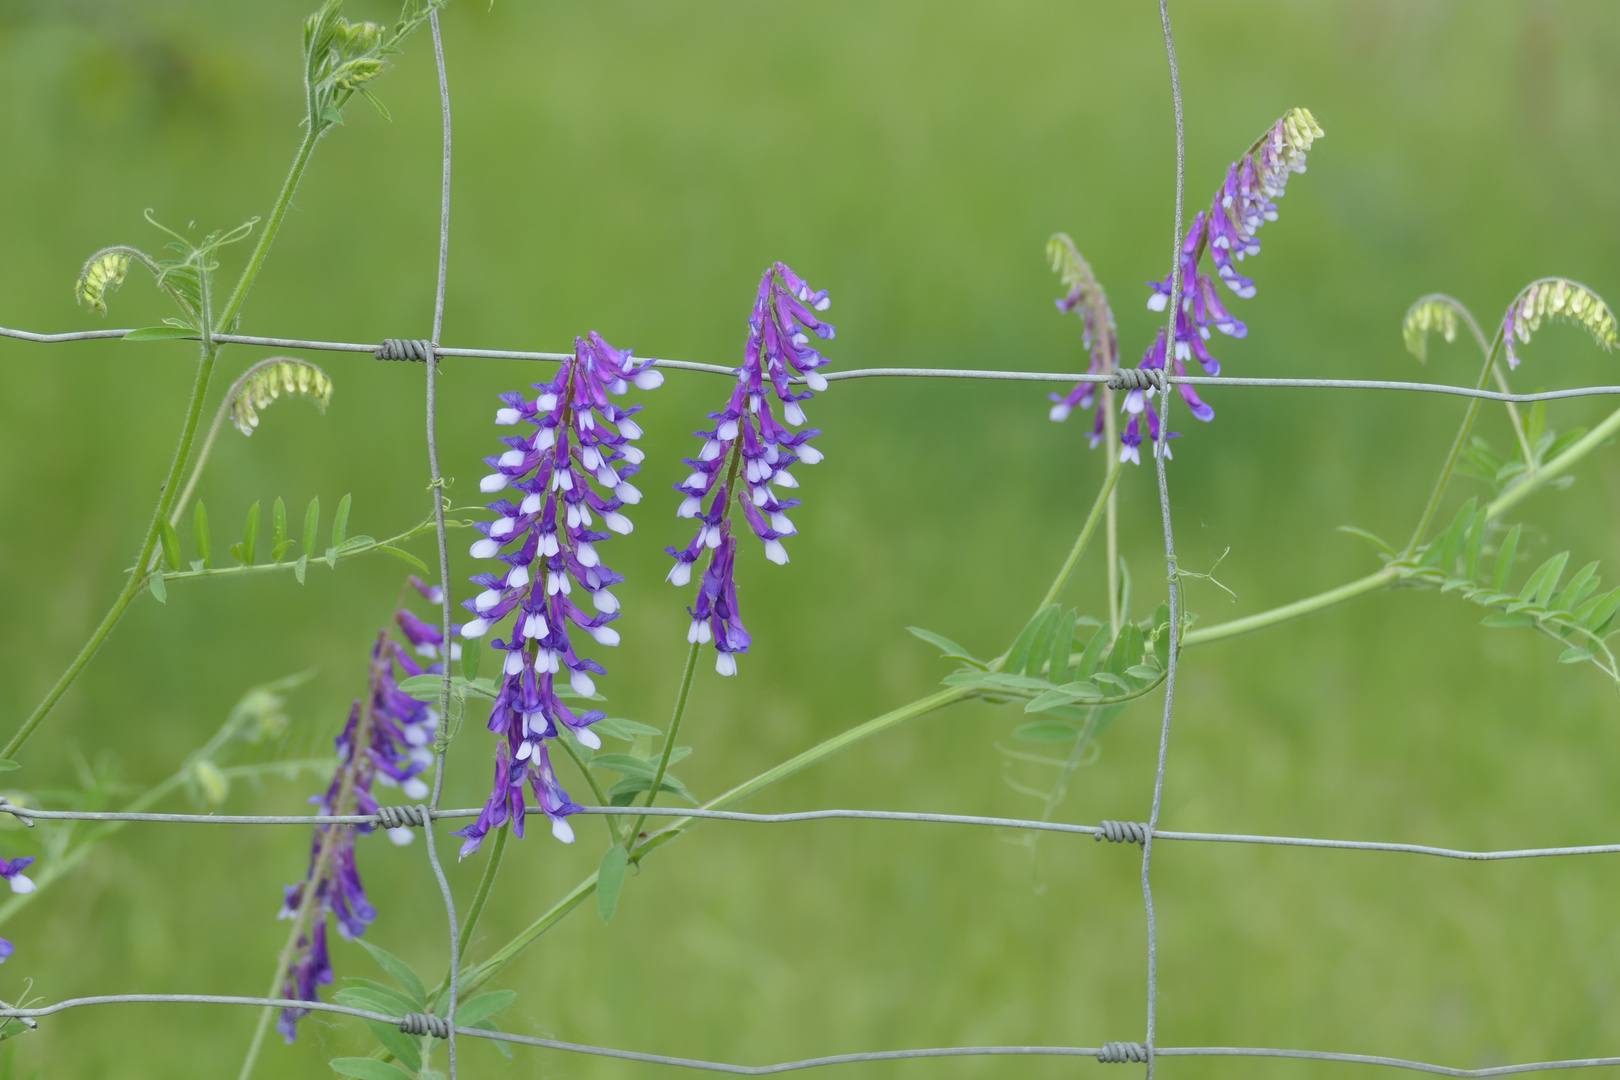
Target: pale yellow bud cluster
(1431,314)
(1559,298)
(104,272)
(283,375)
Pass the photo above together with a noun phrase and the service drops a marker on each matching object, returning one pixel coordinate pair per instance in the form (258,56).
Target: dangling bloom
(577,464)
(1556,298)
(1227,231)
(748,443)
(1097,331)
(388,739)
(20,882)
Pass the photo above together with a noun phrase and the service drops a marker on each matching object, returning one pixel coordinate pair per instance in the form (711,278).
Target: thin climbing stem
(1439,492)
(1099,506)
(681,698)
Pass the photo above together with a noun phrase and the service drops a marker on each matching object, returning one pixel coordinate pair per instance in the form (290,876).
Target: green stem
(267,235)
(1528,485)
(137,575)
(476,976)
(1288,612)
(1456,451)
(1098,505)
(669,741)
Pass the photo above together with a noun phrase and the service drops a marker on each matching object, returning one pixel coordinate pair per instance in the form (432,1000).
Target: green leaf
(171,543)
(949,649)
(1452,540)
(1536,422)
(1603,610)
(299,566)
(1111,679)
(1574,655)
(355,543)
(199,534)
(404,1047)
(625,791)
(1504,559)
(506,1051)
(160,592)
(1579,587)
(1067,694)
(610,879)
(403,555)
(1127,650)
(6,765)
(340,525)
(280,550)
(1040,646)
(1509,618)
(996,682)
(250,535)
(471,653)
(278,528)
(474,1011)
(630,765)
(367,1069)
(159,333)
(1539,588)
(1047,731)
(1018,655)
(1375,541)
(616,727)
(399,971)
(1146,672)
(376,996)
(1093,653)
(1476,543)
(312,526)
(1057,664)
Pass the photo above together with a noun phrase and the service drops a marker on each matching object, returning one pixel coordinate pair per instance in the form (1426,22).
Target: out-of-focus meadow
(632,167)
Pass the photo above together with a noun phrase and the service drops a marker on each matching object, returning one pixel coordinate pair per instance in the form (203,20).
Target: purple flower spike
(749,453)
(1227,231)
(574,467)
(387,740)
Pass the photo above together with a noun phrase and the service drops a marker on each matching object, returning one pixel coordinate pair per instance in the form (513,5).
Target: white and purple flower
(749,444)
(574,468)
(387,740)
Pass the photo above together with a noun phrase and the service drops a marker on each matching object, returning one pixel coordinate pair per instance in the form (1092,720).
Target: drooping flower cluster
(387,740)
(1228,232)
(574,466)
(1097,332)
(750,443)
(1556,298)
(12,871)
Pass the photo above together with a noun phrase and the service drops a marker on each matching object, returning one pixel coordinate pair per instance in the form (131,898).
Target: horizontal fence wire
(1105,1053)
(27,815)
(882,372)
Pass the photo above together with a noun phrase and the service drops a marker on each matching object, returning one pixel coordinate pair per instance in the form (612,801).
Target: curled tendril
(1557,298)
(103,272)
(269,380)
(1430,314)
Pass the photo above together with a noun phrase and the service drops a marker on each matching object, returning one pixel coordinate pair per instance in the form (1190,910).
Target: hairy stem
(1098,506)
(1457,445)
(476,976)
(681,697)
(267,235)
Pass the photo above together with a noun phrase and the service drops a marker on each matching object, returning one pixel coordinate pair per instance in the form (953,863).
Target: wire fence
(1143,834)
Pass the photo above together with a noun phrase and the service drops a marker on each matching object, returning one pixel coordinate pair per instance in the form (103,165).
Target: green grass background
(632,167)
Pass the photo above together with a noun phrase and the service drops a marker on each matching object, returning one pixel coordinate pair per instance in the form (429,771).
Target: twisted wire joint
(1118,1053)
(401,817)
(406,349)
(1121,832)
(428,1024)
(1138,379)
(18,812)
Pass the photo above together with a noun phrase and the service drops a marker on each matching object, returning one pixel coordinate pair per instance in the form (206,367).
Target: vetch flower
(387,740)
(1556,298)
(1227,231)
(749,454)
(1097,334)
(575,466)
(12,871)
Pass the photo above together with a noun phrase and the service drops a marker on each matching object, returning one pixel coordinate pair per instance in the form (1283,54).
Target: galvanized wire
(987,374)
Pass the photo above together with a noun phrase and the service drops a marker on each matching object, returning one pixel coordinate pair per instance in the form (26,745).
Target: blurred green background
(632,167)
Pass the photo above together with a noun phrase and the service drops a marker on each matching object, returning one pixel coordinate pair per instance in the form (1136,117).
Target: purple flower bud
(571,474)
(750,453)
(388,739)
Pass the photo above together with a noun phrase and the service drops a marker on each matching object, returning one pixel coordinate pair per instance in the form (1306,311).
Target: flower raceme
(12,871)
(749,443)
(575,466)
(387,740)
(1227,231)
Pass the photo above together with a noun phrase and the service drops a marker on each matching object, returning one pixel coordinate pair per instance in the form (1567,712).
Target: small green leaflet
(474,1011)
(610,879)
(159,333)
(949,649)
(368,1069)
(615,726)
(1047,731)
(399,971)
(160,592)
